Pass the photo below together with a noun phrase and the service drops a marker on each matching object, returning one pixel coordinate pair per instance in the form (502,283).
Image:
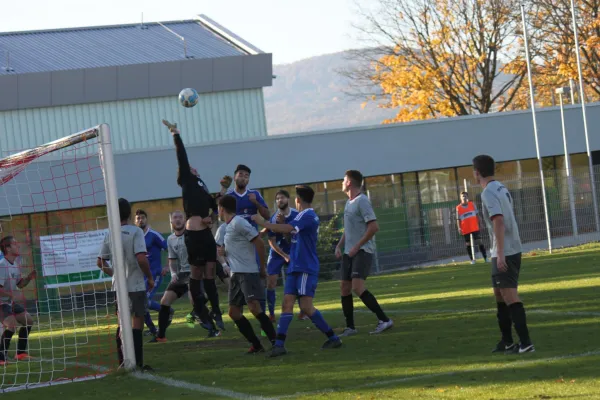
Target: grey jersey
(220,235)
(496,201)
(357,214)
(241,253)
(178,252)
(10,275)
(133,244)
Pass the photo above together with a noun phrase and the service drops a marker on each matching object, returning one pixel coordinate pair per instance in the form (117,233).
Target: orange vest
(468,218)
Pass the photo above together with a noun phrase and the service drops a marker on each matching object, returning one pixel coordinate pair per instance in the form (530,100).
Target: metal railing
(414,232)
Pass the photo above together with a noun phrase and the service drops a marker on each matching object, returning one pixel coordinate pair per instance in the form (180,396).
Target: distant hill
(308,95)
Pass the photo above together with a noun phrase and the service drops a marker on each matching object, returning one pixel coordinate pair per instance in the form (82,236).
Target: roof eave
(228,35)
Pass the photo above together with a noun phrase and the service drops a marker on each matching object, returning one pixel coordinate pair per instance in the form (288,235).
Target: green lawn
(439,348)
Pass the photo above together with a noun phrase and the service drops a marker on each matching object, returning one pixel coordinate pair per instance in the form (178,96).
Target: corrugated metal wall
(136,124)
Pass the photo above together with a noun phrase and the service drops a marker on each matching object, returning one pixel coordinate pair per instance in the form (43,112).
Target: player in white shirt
(12,300)
(136,267)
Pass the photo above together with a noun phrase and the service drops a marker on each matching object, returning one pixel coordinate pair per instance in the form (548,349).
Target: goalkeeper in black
(198,238)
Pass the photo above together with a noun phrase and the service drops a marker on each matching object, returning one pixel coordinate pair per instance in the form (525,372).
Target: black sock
(163,320)
(119,345)
(246,329)
(482,250)
(470,252)
(5,343)
(517,313)
(23,336)
(348,309)
(200,302)
(213,295)
(504,322)
(372,304)
(267,326)
(138,346)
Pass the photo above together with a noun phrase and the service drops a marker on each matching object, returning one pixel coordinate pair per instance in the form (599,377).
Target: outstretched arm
(182,158)
(275,228)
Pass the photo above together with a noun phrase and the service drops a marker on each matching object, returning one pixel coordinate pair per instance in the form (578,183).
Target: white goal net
(52,202)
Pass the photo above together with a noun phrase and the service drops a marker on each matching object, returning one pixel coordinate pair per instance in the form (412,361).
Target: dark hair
(228,203)
(485,165)
(464,193)
(242,167)
(5,243)
(283,192)
(305,193)
(355,176)
(139,211)
(124,209)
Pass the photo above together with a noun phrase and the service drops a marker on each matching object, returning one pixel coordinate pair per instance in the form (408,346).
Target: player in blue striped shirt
(303,271)
(155,243)
(280,247)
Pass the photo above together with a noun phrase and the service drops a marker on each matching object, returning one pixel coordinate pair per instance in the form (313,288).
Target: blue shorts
(157,281)
(301,284)
(274,265)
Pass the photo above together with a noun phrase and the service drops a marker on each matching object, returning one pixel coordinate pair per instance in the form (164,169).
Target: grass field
(439,348)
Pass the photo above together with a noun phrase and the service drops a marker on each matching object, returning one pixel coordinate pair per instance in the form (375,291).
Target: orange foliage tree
(552,30)
(448,58)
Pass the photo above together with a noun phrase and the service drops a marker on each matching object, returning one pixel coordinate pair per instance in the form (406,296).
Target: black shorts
(245,287)
(510,278)
(10,310)
(476,236)
(181,286)
(138,303)
(358,266)
(201,247)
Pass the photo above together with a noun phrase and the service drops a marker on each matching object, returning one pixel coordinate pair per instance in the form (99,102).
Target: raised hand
(226,181)
(252,198)
(172,127)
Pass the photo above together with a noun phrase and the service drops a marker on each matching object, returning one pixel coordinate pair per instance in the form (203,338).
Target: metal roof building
(56,82)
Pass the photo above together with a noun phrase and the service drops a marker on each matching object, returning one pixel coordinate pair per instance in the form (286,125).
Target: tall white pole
(535,132)
(118,261)
(585,127)
(568,168)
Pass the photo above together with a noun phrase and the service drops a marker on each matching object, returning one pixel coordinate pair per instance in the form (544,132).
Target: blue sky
(291,30)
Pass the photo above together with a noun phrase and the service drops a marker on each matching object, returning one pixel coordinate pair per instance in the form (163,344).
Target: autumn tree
(556,63)
(444,58)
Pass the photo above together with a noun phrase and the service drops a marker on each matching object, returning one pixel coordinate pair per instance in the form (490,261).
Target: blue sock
(320,323)
(282,327)
(271,295)
(154,305)
(149,323)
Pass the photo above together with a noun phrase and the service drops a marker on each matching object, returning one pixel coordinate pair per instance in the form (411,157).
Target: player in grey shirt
(506,256)
(356,248)
(136,267)
(12,300)
(242,242)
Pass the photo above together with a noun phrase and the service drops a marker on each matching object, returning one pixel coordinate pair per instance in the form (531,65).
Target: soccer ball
(188,97)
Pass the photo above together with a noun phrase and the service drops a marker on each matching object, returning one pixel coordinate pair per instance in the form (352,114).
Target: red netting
(52,202)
